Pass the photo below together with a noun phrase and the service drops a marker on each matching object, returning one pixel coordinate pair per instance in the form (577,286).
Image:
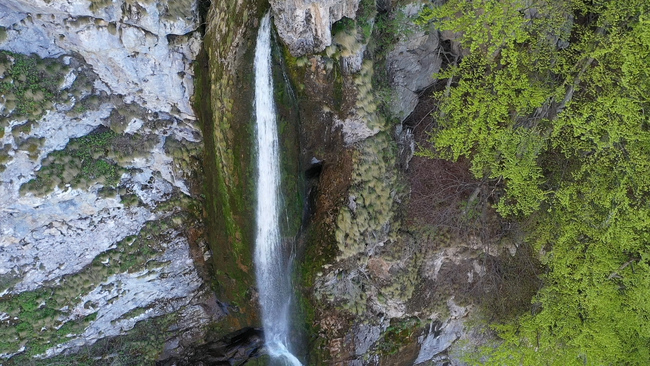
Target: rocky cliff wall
(384,291)
(98,195)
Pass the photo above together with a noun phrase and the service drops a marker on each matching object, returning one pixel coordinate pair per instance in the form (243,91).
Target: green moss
(122,115)
(292,184)
(8,280)
(366,13)
(133,313)
(107,192)
(143,345)
(176,9)
(186,154)
(22,129)
(130,200)
(32,146)
(223,97)
(344,25)
(4,154)
(96,5)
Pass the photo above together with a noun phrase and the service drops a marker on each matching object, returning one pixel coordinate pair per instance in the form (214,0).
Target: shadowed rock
(236,348)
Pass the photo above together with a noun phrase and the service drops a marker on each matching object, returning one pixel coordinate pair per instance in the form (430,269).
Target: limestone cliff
(98,215)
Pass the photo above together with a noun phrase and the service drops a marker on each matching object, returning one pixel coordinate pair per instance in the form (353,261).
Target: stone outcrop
(385,295)
(305,25)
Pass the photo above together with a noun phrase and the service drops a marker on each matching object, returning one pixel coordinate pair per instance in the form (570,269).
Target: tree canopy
(552,98)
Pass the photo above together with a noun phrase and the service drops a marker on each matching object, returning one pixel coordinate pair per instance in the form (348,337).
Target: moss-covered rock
(223,102)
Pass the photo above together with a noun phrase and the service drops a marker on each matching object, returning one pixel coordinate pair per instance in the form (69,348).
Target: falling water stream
(271,262)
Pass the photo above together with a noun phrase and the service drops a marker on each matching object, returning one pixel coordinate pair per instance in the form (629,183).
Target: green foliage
(82,163)
(366,16)
(564,126)
(143,345)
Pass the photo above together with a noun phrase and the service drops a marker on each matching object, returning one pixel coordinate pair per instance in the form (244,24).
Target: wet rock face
(305,25)
(98,143)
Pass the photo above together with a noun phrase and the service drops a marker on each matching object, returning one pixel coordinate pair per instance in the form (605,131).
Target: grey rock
(354,129)
(439,339)
(412,63)
(132,55)
(365,337)
(441,336)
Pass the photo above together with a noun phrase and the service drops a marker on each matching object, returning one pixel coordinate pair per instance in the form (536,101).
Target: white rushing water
(271,264)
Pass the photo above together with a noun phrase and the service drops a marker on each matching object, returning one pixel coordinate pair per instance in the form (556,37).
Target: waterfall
(271,264)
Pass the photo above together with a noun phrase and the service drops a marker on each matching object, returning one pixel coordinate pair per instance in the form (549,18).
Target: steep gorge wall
(305,25)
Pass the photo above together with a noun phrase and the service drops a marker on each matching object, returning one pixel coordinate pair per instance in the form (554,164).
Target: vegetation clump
(372,202)
(548,104)
(5,157)
(185,155)
(397,334)
(28,85)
